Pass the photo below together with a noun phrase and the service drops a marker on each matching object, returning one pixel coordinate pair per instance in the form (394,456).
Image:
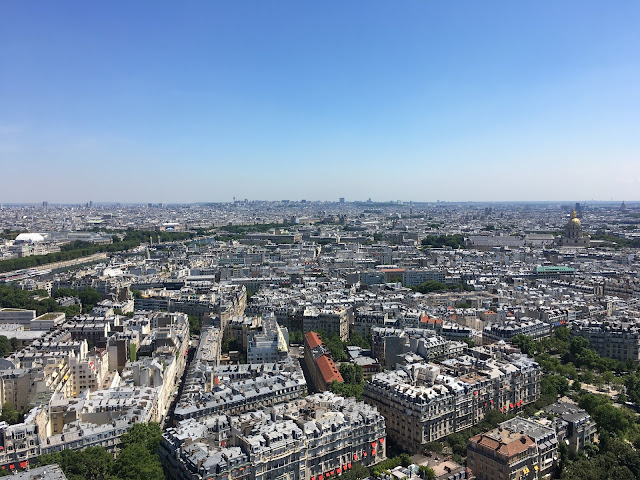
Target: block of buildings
(613,338)
(319,365)
(421,403)
(518,449)
(313,438)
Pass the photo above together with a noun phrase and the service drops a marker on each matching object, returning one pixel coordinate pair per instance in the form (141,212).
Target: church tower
(573,234)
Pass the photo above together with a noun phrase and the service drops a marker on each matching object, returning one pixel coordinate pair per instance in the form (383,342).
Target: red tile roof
(313,339)
(328,369)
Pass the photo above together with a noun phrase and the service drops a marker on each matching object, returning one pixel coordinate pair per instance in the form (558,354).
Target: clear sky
(404,100)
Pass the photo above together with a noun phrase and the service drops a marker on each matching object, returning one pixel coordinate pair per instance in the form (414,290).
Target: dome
(574,219)
(29,238)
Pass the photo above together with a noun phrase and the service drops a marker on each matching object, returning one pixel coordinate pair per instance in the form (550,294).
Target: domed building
(573,234)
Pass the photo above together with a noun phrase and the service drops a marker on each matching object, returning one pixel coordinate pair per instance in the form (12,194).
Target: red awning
(23,464)
(373,444)
(382,440)
(12,466)
(373,452)
(349,464)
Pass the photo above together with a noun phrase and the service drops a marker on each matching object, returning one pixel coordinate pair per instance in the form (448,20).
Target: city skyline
(197,103)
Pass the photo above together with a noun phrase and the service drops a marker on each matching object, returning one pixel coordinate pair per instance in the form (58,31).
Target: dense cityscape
(302,340)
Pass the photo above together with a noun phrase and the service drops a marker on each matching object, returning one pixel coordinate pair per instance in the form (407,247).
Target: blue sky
(415,100)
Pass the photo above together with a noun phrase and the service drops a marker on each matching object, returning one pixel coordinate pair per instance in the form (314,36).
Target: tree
(435,447)
(194,325)
(135,462)
(5,346)
(427,473)
(89,297)
(357,340)
(10,414)
(351,373)
(347,390)
(587,377)
(525,343)
(147,434)
(578,345)
(93,463)
(65,292)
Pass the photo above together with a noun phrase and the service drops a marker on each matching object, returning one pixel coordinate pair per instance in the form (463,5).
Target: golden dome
(574,219)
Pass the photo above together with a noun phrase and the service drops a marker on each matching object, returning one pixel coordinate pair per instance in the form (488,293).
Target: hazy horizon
(206,101)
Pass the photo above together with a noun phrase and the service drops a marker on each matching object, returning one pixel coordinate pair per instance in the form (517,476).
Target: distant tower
(623,207)
(341,199)
(45,205)
(578,210)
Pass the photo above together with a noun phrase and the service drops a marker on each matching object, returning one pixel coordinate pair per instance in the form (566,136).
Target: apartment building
(506,331)
(613,338)
(313,438)
(390,344)
(330,320)
(269,344)
(572,424)
(421,403)
(319,365)
(518,449)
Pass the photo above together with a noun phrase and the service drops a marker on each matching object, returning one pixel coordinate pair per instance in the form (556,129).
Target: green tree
(65,292)
(133,353)
(427,473)
(92,463)
(135,462)
(351,373)
(10,414)
(435,447)
(147,434)
(89,297)
(358,341)
(194,325)
(5,346)
(525,343)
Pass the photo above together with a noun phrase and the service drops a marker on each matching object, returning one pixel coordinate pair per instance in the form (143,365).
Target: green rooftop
(555,269)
